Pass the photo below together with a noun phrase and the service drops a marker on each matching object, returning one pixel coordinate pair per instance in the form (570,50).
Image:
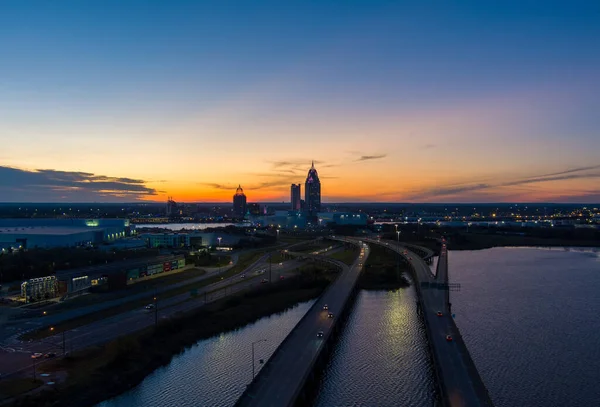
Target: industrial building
(194,239)
(48,233)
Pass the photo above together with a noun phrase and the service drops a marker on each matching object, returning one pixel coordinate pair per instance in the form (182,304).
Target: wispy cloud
(52,185)
(455,190)
(371,157)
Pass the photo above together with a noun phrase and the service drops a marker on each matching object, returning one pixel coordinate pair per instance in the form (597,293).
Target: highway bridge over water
(285,379)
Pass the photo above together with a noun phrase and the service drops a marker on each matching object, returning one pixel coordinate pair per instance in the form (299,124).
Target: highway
(128,322)
(459,381)
(281,380)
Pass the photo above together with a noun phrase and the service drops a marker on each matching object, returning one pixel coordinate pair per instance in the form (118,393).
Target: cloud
(371,157)
(456,190)
(428,146)
(47,185)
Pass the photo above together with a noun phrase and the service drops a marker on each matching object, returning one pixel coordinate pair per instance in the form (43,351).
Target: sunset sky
(395,101)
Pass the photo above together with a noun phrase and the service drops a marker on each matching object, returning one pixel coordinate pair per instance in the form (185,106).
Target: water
(381,358)
(530,318)
(215,371)
(531,321)
(188,226)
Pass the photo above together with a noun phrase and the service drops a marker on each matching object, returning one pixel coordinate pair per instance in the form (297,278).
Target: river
(187,226)
(215,371)
(530,318)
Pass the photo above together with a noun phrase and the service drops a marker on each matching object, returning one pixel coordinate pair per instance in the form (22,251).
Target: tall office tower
(239,203)
(295,197)
(312,193)
(171,207)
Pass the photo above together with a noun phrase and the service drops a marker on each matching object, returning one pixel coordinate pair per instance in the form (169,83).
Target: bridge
(284,378)
(458,380)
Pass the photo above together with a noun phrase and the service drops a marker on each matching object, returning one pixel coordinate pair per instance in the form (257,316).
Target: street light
(219,239)
(398,233)
(254,343)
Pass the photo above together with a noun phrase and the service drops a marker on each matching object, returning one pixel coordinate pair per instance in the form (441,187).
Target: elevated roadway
(282,380)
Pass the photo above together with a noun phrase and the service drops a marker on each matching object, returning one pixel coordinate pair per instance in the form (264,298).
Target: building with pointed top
(239,203)
(312,193)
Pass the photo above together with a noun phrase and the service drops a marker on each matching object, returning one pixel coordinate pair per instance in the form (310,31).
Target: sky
(395,101)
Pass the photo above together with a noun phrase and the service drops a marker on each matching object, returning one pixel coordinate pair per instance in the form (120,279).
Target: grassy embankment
(381,271)
(103,372)
(346,255)
(244,261)
(477,241)
(13,387)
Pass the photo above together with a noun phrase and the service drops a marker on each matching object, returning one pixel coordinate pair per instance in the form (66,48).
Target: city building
(239,203)
(312,194)
(172,209)
(343,218)
(295,197)
(254,209)
(186,240)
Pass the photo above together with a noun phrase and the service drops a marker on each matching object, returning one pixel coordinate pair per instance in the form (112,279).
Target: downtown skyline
(394,103)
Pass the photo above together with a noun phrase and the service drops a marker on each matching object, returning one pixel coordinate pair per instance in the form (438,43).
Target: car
(448,338)
(439,313)
(150,306)
(281,263)
(50,355)
(37,355)
(325,307)
(320,334)
(243,276)
(330,315)
(264,281)
(410,258)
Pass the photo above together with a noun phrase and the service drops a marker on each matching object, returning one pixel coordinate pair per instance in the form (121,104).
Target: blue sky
(183,96)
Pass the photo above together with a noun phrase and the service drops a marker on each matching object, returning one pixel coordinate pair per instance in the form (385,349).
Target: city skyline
(477,103)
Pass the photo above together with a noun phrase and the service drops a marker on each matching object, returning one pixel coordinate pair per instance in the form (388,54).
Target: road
(127,322)
(281,380)
(26,324)
(459,380)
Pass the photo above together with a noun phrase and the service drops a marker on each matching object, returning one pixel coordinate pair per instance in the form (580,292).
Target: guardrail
(248,391)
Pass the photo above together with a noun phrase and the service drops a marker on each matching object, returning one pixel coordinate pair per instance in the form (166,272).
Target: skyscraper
(312,193)
(296,197)
(239,203)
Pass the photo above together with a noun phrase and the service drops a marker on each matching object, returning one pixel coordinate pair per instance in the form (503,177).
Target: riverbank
(480,241)
(382,271)
(106,371)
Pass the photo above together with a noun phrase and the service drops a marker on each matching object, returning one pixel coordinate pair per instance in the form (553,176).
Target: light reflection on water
(215,371)
(381,358)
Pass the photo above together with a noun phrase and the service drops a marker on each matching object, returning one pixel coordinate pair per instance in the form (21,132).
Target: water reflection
(215,371)
(381,358)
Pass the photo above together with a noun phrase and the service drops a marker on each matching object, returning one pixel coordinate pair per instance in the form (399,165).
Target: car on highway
(37,355)
(449,338)
(150,306)
(264,281)
(49,355)
(243,276)
(325,307)
(282,277)
(330,315)
(320,334)
(439,313)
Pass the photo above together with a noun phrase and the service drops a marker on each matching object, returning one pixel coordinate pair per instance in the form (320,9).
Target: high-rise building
(239,203)
(296,197)
(312,193)
(171,207)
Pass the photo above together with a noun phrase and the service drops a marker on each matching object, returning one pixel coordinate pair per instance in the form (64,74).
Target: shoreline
(100,373)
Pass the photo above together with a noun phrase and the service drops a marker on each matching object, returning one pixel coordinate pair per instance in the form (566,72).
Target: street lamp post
(254,343)
(219,239)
